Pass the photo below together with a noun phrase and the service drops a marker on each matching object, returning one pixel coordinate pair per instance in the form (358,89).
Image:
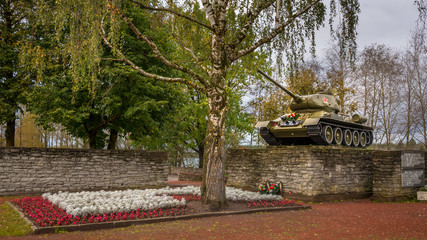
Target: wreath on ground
(268,187)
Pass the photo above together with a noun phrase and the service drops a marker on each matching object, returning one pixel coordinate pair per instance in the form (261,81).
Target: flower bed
(65,208)
(44,213)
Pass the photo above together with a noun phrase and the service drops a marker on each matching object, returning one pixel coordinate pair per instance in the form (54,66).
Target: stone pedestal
(310,173)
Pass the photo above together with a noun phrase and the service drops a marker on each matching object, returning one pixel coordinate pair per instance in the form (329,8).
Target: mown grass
(11,224)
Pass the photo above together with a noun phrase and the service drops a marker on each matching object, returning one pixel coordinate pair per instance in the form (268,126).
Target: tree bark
(113,139)
(10,133)
(213,182)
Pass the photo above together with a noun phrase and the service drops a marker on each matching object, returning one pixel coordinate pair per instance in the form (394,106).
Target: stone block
(422,195)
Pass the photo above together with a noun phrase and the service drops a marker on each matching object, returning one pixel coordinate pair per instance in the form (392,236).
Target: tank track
(315,132)
(268,137)
(314,135)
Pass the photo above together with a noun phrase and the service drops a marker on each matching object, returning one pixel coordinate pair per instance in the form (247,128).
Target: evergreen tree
(14,28)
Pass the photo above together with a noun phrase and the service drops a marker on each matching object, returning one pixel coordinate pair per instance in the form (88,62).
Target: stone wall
(178,170)
(387,176)
(310,172)
(36,170)
(187,173)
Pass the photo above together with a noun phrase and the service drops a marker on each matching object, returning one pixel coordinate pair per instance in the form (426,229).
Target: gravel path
(360,219)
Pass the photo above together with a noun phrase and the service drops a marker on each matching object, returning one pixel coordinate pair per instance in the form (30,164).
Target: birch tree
(229,32)
(338,74)
(416,69)
(381,80)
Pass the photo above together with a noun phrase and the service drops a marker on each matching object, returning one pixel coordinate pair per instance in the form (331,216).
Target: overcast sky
(388,22)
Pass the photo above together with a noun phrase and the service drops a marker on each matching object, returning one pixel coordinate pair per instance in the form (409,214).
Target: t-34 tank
(315,120)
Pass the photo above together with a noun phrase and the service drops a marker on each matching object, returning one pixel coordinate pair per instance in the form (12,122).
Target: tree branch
(195,58)
(142,72)
(209,12)
(157,52)
(251,16)
(273,34)
(226,3)
(141,5)
(113,59)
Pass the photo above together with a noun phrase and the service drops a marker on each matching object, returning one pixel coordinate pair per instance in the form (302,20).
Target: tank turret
(315,119)
(308,103)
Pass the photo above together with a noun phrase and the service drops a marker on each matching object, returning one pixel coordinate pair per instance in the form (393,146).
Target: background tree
(415,61)
(27,133)
(14,27)
(381,78)
(339,78)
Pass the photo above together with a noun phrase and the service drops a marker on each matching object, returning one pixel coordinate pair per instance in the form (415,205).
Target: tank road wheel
(363,139)
(338,136)
(370,138)
(356,138)
(328,134)
(348,137)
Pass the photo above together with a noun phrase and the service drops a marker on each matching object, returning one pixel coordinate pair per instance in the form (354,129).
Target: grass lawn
(11,224)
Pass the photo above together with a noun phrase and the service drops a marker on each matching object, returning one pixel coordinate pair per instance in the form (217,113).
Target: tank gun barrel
(296,97)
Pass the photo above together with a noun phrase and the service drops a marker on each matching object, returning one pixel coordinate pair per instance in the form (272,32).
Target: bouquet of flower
(292,117)
(268,187)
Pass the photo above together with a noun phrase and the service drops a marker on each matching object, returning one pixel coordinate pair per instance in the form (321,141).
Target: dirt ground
(360,219)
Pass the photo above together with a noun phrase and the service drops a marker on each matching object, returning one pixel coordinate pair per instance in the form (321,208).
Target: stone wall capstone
(314,173)
(38,170)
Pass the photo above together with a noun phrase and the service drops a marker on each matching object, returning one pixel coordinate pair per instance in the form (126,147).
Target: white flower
(100,202)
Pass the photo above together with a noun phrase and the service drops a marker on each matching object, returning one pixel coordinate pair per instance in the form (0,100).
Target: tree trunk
(113,139)
(1,135)
(201,152)
(10,133)
(46,145)
(92,139)
(213,182)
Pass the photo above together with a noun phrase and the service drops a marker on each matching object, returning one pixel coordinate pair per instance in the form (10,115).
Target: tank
(316,120)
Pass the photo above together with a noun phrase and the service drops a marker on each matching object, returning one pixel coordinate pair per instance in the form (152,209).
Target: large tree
(228,32)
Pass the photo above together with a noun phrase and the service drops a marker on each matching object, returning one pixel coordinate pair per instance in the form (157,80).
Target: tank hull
(316,131)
